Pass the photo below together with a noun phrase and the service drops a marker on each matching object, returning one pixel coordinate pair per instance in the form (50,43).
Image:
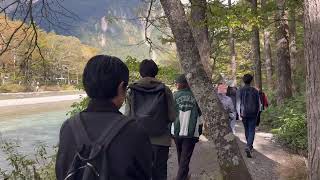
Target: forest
(275,40)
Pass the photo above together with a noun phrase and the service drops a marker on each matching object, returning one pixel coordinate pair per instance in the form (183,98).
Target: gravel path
(202,164)
(269,162)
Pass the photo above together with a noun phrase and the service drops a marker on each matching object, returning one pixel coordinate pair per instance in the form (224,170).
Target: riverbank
(25,110)
(5,96)
(33,103)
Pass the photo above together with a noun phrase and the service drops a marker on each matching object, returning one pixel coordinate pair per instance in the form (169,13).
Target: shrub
(288,123)
(37,167)
(12,88)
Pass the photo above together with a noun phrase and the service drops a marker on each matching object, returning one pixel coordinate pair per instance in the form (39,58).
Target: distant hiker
(151,103)
(232,93)
(263,104)
(187,127)
(248,106)
(37,87)
(101,143)
(227,105)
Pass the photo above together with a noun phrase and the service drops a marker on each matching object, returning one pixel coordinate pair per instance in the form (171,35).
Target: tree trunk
(292,43)
(284,89)
(268,56)
(233,54)
(312,56)
(232,165)
(256,48)
(267,47)
(201,33)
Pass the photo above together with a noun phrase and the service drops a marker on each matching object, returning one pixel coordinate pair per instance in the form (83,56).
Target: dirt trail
(270,161)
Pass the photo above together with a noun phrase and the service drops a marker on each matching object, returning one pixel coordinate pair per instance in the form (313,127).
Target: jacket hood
(148,84)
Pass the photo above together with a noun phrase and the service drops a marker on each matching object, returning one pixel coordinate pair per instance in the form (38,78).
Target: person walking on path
(187,127)
(151,102)
(100,142)
(227,105)
(232,93)
(248,107)
(264,104)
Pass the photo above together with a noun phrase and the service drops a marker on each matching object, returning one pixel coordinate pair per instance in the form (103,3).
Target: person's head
(106,78)
(148,68)
(181,82)
(247,79)
(222,88)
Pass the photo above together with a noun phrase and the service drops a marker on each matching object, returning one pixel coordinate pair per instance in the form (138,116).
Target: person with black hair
(151,102)
(187,127)
(100,142)
(248,107)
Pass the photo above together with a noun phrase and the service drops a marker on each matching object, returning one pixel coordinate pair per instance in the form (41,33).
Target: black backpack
(90,160)
(149,107)
(249,102)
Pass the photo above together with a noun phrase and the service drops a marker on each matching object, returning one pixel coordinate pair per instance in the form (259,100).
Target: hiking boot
(248,152)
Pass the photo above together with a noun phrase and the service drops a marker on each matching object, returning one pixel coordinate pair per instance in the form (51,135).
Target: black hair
(102,76)
(148,68)
(247,78)
(181,79)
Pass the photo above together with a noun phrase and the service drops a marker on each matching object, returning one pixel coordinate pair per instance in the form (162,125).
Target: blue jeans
(250,130)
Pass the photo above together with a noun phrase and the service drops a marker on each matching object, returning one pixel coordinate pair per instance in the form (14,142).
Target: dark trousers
(185,147)
(250,130)
(159,162)
(258,118)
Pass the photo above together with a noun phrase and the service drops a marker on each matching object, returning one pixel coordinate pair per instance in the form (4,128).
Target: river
(33,123)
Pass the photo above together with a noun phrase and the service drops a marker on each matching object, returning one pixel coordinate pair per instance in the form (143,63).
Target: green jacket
(148,82)
(187,123)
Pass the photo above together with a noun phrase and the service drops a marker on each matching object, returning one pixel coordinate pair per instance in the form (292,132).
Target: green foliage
(79,106)
(37,167)
(288,122)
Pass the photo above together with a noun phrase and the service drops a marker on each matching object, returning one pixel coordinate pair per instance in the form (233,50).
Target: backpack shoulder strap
(79,132)
(113,131)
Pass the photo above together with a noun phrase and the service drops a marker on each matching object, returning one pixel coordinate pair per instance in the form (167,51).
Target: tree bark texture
(233,55)
(292,43)
(268,58)
(312,56)
(284,86)
(267,47)
(256,48)
(232,165)
(201,33)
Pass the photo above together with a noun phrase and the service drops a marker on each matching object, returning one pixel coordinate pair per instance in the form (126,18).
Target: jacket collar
(96,105)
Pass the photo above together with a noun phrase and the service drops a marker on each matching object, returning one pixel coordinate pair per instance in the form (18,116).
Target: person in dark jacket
(187,127)
(129,156)
(264,104)
(160,144)
(248,107)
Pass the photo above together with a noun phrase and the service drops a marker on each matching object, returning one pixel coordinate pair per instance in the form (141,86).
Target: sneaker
(248,152)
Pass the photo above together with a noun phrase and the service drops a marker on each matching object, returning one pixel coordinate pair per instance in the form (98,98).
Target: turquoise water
(30,130)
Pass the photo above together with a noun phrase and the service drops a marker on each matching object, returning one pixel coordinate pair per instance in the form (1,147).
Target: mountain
(110,25)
